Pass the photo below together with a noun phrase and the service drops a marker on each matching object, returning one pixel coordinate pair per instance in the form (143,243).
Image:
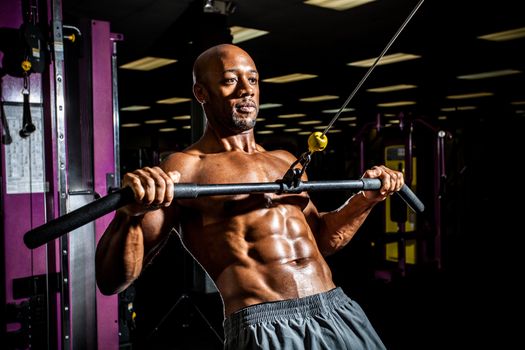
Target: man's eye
(230,80)
(253,80)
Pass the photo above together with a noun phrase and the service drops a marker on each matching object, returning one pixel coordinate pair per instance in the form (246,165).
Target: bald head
(210,60)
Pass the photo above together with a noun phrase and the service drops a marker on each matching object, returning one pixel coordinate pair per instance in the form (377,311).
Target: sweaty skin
(257,247)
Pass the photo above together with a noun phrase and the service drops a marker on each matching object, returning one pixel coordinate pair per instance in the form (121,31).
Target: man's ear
(200,93)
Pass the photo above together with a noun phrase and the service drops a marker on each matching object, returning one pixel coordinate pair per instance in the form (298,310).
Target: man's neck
(213,142)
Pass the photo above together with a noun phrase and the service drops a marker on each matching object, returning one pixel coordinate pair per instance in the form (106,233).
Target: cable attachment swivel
(317,141)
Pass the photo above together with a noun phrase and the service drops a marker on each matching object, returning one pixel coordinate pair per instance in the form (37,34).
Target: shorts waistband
(269,311)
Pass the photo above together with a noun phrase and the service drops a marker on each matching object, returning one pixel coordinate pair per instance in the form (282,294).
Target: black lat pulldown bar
(102,206)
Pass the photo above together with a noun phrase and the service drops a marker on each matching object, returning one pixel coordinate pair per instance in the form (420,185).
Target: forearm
(338,227)
(120,254)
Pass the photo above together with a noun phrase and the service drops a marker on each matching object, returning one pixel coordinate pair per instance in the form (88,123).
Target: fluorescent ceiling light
(304,133)
(393,58)
(174,100)
(458,108)
(292,130)
(339,5)
(167,129)
(442,117)
(352,124)
(337,110)
(156,121)
(289,78)
(505,35)
(492,74)
(318,98)
(241,34)
(269,105)
(148,63)
(334,131)
(319,127)
(465,96)
(310,122)
(291,116)
(259,119)
(134,108)
(275,126)
(392,88)
(347,119)
(182,117)
(130,125)
(262,132)
(396,104)
(517,103)
(186,127)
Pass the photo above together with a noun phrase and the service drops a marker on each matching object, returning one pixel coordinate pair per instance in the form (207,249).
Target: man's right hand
(152,187)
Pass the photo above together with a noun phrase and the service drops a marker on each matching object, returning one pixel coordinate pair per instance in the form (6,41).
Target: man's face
(233,88)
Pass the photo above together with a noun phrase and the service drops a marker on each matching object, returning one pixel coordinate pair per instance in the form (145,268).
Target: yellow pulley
(26,65)
(317,141)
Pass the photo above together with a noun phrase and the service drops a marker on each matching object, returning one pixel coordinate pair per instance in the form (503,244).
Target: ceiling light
(337,110)
(392,88)
(291,116)
(352,124)
(318,98)
(347,119)
(275,126)
(393,58)
(339,5)
(269,105)
(182,117)
(505,35)
(334,131)
(458,108)
(134,108)
(310,122)
(262,132)
(292,130)
(186,127)
(174,100)
(396,104)
(167,129)
(241,34)
(259,119)
(484,75)
(130,125)
(465,96)
(442,117)
(289,78)
(517,103)
(156,121)
(304,133)
(148,63)
(319,127)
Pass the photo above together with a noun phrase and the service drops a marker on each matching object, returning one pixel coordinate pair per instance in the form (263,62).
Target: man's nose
(245,88)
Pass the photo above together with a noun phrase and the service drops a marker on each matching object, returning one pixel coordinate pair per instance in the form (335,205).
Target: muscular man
(265,252)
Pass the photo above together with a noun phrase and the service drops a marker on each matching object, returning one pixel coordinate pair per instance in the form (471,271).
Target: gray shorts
(329,320)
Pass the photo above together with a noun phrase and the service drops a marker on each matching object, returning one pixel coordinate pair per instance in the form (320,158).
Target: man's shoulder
(282,154)
(178,159)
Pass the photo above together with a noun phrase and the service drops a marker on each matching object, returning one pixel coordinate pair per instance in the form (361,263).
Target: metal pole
(81,216)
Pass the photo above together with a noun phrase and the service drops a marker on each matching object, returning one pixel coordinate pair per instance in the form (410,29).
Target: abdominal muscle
(265,255)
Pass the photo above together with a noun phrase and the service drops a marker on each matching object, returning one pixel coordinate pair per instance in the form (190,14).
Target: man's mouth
(246,107)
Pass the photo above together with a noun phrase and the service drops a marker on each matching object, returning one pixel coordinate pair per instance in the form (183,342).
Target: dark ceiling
(314,40)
